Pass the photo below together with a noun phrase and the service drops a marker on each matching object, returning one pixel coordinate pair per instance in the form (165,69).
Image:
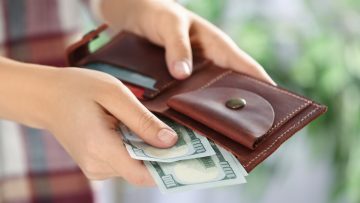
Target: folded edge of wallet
(273,142)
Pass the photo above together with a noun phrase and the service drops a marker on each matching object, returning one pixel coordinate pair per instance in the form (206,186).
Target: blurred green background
(311,47)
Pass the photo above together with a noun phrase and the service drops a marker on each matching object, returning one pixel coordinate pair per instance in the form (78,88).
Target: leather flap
(245,125)
(129,51)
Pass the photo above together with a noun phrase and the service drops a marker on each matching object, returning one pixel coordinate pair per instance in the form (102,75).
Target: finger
(133,171)
(125,107)
(248,65)
(137,174)
(178,49)
(224,52)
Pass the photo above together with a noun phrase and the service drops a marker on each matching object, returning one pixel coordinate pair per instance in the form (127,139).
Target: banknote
(218,170)
(190,145)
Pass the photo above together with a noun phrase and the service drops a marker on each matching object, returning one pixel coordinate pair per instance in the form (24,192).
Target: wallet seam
(162,88)
(284,119)
(215,79)
(280,136)
(276,88)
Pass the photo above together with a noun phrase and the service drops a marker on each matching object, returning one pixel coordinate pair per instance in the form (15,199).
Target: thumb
(127,108)
(178,51)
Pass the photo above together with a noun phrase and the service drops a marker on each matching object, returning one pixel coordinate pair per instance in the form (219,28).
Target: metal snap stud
(235,103)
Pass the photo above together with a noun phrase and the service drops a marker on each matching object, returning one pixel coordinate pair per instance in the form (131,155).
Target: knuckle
(108,85)
(91,170)
(92,164)
(172,18)
(104,86)
(169,16)
(104,79)
(146,122)
(182,46)
(91,176)
(181,43)
(92,149)
(109,89)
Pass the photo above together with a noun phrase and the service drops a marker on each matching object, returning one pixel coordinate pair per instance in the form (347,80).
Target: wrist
(25,90)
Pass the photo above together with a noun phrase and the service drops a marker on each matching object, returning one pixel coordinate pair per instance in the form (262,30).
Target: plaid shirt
(33,167)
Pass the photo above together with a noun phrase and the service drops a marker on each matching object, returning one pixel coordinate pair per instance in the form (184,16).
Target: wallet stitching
(318,105)
(280,136)
(162,88)
(284,119)
(215,79)
(289,115)
(276,89)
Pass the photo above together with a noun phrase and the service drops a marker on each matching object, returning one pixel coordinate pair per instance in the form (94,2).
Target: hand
(86,110)
(168,24)
(81,108)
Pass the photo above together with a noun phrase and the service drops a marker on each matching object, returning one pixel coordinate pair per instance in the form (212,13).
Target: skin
(82,107)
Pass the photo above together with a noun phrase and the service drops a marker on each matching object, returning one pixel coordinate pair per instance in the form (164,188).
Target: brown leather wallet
(246,116)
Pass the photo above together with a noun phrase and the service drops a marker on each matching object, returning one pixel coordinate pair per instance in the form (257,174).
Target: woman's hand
(81,108)
(168,24)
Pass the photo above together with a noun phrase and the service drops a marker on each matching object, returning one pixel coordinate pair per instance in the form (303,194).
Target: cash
(190,145)
(193,162)
(221,169)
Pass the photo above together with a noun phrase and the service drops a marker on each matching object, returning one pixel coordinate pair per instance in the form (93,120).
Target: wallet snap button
(235,103)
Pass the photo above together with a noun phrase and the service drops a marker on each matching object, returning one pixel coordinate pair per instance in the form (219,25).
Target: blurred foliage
(209,10)
(320,58)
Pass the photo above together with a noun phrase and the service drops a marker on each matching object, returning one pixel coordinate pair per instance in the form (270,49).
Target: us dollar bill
(218,170)
(190,145)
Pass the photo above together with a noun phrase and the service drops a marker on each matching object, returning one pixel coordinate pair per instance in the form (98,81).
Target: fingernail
(167,136)
(182,68)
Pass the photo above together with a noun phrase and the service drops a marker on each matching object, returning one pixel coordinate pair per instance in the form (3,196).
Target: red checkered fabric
(33,167)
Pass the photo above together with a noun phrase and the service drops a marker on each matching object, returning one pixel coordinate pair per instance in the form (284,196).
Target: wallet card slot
(128,51)
(210,106)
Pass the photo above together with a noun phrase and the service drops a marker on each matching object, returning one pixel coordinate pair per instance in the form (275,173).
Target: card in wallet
(248,117)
